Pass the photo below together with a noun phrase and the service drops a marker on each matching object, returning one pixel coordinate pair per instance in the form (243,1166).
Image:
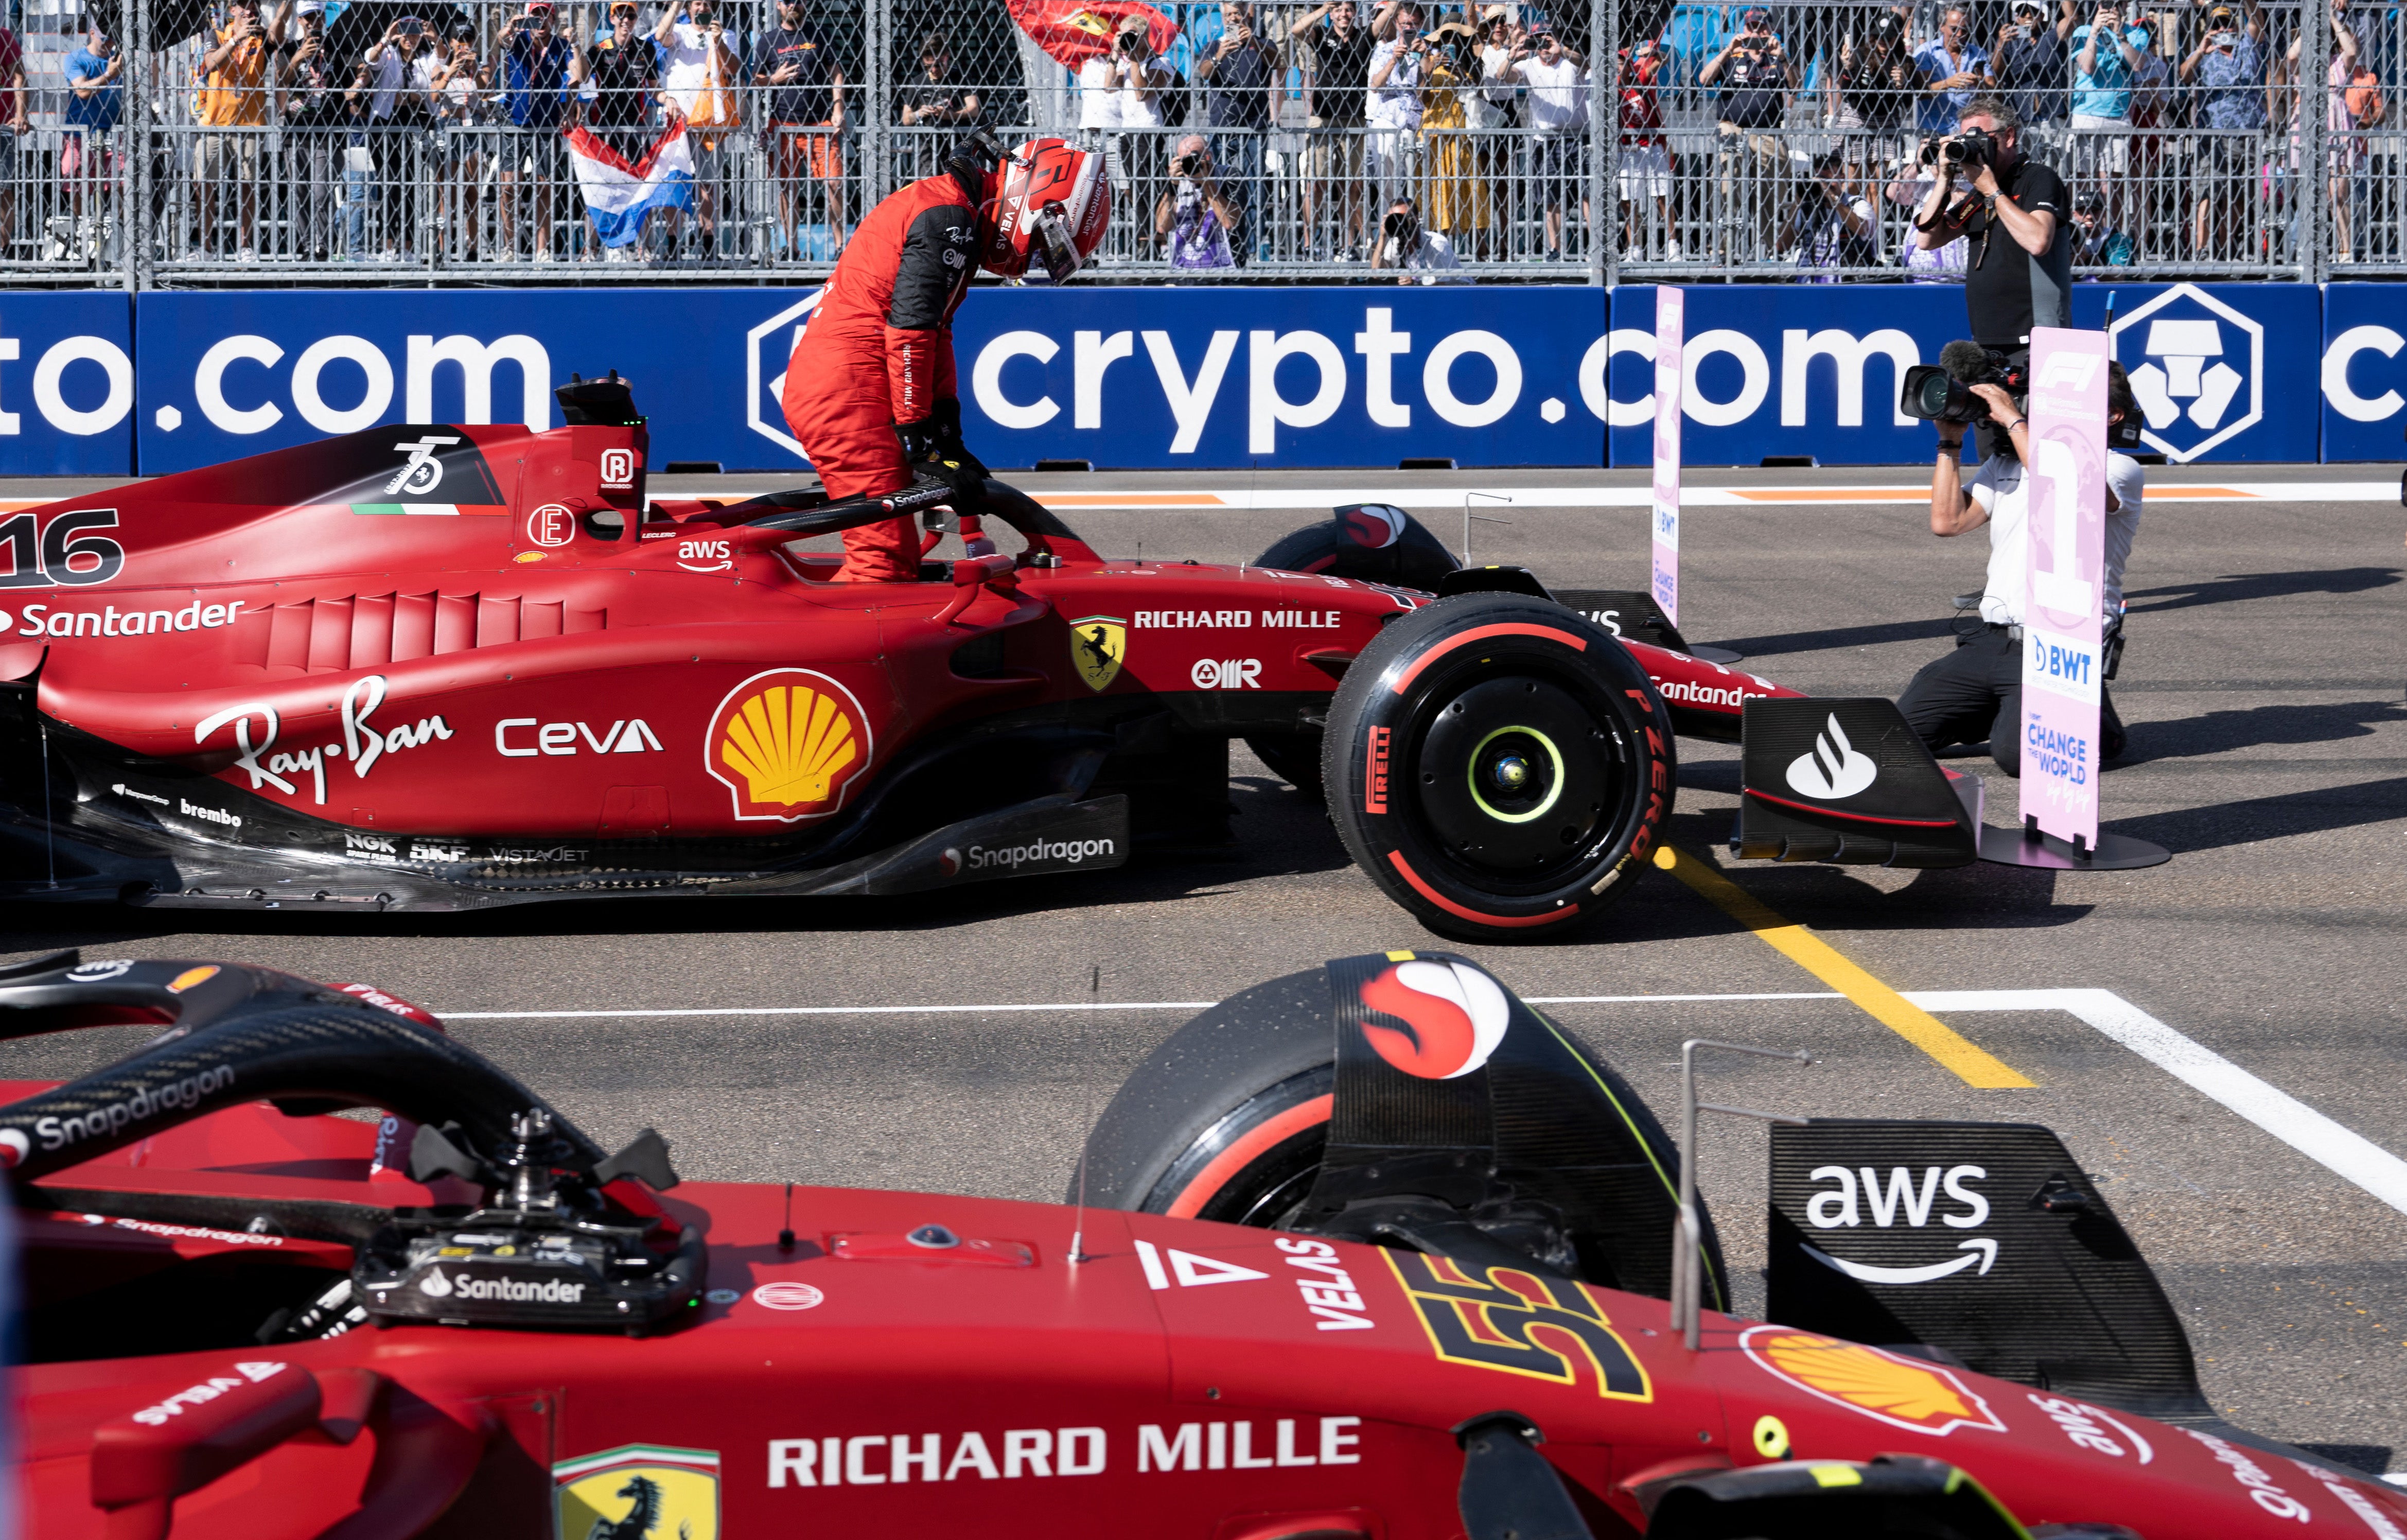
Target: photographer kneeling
(1976,692)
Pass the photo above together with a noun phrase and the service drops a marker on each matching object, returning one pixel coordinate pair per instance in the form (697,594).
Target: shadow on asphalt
(2260,585)
(2219,730)
(2271,817)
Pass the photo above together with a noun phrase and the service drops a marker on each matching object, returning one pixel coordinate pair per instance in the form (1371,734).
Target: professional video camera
(1967,151)
(1942,392)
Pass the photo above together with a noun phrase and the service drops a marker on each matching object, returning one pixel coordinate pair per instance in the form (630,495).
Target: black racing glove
(919,440)
(947,421)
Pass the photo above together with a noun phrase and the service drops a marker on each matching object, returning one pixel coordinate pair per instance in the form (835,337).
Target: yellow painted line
(1971,1063)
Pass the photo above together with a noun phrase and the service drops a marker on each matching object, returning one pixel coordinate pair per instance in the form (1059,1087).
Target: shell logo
(1920,1398)
(789,743)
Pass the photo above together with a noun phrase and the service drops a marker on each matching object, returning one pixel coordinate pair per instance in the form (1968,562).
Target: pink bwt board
(1670,304)
(2066,582)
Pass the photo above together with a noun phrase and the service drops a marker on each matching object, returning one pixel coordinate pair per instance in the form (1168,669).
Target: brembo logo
(1834,770)
(1436,1020)
(1904,1197)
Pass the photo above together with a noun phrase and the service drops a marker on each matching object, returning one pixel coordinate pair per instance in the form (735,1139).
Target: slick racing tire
(1370,543)
(1499,765)
(1226,1119)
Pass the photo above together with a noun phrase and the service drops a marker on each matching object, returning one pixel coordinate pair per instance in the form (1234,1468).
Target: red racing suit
(879,350)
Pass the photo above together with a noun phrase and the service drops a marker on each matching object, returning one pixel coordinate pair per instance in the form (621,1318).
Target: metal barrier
(1745,152)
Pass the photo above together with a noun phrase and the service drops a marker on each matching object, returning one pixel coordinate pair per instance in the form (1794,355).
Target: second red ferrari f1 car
(1373,1250)
(440,666)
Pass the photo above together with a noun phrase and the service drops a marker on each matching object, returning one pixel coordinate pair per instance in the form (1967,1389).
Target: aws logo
(789,743)
(1519,1324)
(1902,1197)
(638,1489)
(1435,1021)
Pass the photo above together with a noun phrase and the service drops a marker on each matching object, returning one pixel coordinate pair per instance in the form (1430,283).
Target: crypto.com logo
(766,347)
(2198,355)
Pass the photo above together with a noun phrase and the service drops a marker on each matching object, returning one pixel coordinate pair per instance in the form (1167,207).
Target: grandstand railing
(449,191)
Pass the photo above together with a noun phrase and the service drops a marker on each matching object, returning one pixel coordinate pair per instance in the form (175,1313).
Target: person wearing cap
(2029,62)
(615,79)
(2097,242)
(463,105)
(807,119)
(1873,92)
(537,59)
(1953,69)
(95,98)
(2227,75)
(235,98)
(936,99)
(1756,76)
(399,110)
(310,103)
(1334,48)
(1832,226)
(1643,166)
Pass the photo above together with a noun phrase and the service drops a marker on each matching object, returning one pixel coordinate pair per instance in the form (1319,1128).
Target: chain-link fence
(389,140)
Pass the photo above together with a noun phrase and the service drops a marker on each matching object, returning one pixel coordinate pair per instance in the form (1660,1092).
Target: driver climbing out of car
(869,390)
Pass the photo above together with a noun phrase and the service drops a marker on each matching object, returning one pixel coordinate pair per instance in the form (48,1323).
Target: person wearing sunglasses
(1757,78)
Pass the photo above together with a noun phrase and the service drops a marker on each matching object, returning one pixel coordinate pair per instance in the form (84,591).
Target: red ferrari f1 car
(441,667)
(1370,1251)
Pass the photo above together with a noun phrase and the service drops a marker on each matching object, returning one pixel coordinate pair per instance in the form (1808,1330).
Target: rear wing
(1848,781)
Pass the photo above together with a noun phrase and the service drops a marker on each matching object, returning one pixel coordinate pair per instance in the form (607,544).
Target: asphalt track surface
(2269,752)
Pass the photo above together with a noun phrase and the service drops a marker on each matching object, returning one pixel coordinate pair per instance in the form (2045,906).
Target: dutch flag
(620,194)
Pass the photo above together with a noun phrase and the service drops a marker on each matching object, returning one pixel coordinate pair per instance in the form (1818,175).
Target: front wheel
(1500,766)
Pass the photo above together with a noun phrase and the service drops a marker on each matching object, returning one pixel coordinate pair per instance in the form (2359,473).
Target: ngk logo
(618,469)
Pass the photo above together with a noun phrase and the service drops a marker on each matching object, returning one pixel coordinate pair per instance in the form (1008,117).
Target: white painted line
(2301,1127)
(1071,1005)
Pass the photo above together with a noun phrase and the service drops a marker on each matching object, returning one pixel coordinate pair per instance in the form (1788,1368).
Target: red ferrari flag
(1075,31)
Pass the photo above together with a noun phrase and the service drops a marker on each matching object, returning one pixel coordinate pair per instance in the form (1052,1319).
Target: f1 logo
(551,525)
(618,469)
(2069,370)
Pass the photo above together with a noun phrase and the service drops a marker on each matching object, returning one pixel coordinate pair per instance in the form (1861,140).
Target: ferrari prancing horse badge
(1098,645)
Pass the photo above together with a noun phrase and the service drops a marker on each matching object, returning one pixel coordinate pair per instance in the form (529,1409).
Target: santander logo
(1834,769)
(1443,1019)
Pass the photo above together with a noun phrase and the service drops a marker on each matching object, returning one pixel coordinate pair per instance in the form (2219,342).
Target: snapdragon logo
(1010,858)
(55,1133)
(504,1291)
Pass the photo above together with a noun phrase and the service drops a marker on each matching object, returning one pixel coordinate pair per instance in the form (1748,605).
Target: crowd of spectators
(1749,134)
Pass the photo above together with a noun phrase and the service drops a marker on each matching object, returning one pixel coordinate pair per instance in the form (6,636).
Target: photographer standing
(2018,266)
(1976,692)
(1200,225)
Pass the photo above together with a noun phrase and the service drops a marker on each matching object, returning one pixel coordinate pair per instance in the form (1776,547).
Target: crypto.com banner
(1206,376)
(2065,538)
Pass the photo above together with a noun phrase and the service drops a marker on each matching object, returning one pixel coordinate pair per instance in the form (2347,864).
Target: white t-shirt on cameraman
(2003,488)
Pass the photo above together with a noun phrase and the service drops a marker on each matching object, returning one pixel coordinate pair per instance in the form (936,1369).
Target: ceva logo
(766,348)
(2200,373)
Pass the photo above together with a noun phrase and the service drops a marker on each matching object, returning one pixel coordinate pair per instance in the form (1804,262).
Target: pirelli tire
(1229,1118)
(1501,766)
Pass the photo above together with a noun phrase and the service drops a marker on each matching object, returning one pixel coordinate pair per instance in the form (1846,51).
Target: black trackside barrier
(332,1052)
(1542,1146)
(1845,780)
(1984,1240)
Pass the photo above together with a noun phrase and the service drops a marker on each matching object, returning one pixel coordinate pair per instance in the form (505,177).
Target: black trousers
(1975,692)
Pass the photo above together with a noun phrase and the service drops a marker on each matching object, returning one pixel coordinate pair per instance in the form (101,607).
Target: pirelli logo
(1520,1323)
(1375,775)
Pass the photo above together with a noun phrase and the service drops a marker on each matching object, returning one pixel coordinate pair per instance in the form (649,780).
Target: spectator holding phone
(402,71)
(2343,146)
(94,100)
(2028,62)
(1953,69)
(2105,66)
(936,99)
(1873,92)
(535,65)
(1394,112)
(1558,81)
(1240,80)
(698,75)
(12,82)
(1645,165)
(235,98)
(1196,221)
(1336,52)
(2227,75)
(1144,79)
(1757,78)
(805,112)
(458,98)
(1832,226)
